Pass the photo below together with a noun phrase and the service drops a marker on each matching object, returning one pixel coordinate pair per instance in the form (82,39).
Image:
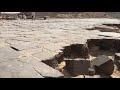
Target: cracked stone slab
(20,45)
(23,39)
(7,53)
(30,59)
(41,68)
(15,42)
(16,69)
(63,31)
(46,55)
(30,52)
(52,47)
(47,71)
(24,46)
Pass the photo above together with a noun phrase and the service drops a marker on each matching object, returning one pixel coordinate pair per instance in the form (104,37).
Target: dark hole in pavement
(76,59)
(52,63)
(102,52)
(76,51)
(55,61)
(103,45)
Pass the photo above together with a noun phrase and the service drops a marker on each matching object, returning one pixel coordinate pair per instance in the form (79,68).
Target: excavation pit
(79,58)
(76,51)
(102,52)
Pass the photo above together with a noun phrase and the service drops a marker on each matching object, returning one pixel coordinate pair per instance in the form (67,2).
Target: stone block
(103,65)
(77,66)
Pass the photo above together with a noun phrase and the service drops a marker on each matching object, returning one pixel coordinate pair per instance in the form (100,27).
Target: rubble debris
(61,66)
(117,56)
(117,60)
(77,66)
(50,52)
(102,44)
(76,51)
(103,65)
(59,57)
(91,71)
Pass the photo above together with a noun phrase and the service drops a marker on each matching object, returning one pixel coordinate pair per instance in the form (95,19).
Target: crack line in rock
(37,71)
(14,48)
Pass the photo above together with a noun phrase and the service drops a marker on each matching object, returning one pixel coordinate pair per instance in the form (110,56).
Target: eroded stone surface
(41,40)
